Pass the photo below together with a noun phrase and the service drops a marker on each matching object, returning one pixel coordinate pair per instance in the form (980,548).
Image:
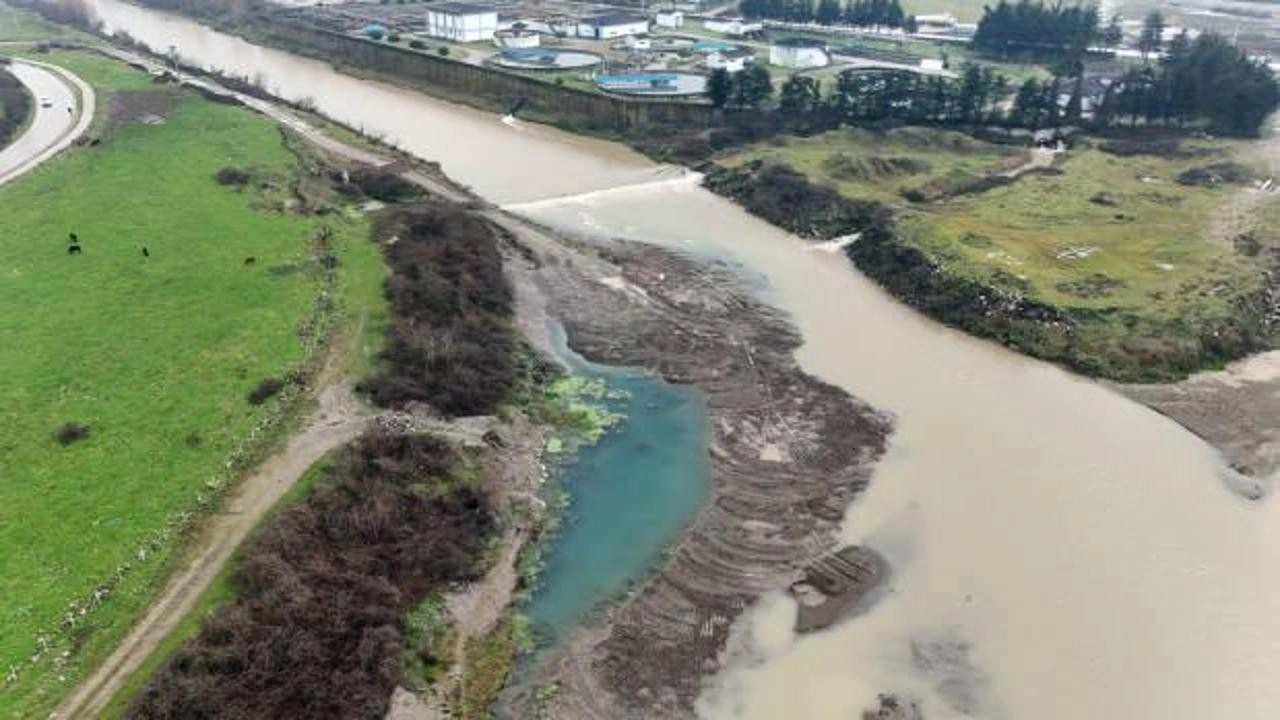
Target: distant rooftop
(461,8)
(616,19)
(797,42)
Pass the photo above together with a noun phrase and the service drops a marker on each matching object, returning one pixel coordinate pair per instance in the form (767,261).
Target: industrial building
(799,53)
(734,27)
(461,22)
(669,18)
(605,27)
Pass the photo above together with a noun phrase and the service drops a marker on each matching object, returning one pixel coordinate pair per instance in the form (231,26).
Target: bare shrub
(266,389)
(232,176)
(70,432)
(451,343)
(316,628)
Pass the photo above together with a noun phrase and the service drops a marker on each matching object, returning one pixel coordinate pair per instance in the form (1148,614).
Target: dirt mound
(933,139)
(139,106)
(1230,173)
(844,167)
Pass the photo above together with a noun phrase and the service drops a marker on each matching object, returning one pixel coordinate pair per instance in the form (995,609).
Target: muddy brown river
(1059,552)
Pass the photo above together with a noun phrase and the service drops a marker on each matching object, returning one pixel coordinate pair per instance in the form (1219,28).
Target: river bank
(1180,309)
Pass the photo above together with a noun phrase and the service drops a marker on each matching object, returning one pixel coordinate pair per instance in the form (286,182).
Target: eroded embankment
(788,452)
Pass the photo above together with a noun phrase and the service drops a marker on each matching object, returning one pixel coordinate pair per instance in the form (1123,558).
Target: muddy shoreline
(1235,411)
(788,454)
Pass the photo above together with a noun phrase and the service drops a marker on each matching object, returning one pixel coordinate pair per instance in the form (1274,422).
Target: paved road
(54,128)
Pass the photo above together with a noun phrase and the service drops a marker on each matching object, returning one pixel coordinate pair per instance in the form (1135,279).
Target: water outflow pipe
(517,107)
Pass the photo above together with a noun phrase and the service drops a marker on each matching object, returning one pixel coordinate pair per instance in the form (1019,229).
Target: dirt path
(475,611)
(1238,214)
(338,420)
(1039,158)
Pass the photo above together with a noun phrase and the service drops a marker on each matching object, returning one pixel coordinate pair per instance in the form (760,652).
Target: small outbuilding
(461,22)
(669,19)
(516,37)
(731,60)
(613,25)
(638,43)
(734,27)
(940,23)
(799,53)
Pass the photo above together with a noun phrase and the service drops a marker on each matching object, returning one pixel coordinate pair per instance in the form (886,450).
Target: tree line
(1039,30)
(1203,83)
(1206,81)
(749,88)
(971,99)
(858,13)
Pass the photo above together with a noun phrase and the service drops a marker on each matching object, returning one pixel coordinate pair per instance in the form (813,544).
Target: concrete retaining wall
(488,86)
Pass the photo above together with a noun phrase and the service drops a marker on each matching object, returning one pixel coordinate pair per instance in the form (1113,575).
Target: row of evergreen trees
(748,88)
(1033,28)
(859,13)
(972,99)
(1206,83)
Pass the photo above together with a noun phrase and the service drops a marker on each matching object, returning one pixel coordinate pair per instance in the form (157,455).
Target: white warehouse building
(799,53)
(604,27)
(669,18)
(461,22)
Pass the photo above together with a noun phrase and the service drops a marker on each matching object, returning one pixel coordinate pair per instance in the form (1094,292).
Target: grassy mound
(1133,261)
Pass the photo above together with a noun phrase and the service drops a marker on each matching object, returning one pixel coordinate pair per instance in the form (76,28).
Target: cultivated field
(154,353)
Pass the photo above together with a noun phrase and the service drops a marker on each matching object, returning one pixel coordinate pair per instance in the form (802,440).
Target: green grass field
(155,354)
(18,24)
(1128,218)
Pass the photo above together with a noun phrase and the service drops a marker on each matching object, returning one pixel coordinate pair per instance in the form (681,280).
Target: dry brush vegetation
(318,627)
(451,344)
(316,630)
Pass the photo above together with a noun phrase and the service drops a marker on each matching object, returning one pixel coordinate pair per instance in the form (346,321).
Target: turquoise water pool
(630,496)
